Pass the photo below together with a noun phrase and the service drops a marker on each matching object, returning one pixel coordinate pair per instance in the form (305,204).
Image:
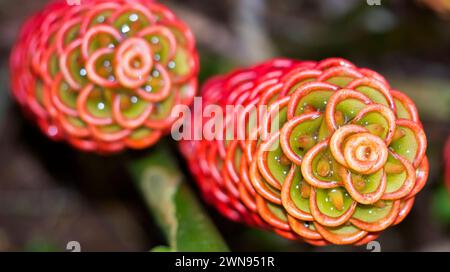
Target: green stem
(173,205)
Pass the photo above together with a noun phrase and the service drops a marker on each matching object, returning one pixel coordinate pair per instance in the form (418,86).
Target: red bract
(344,163)
(104,75)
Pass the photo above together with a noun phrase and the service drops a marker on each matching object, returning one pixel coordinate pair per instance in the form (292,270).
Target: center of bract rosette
(357,149)
(133,62)
(354,157)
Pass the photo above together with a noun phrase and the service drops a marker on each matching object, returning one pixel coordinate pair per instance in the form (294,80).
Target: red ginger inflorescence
(104,75)
(344,163)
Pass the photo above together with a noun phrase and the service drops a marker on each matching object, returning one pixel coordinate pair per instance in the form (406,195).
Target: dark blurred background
(51,194)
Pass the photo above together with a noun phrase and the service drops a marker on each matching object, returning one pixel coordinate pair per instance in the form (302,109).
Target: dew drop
(155,73)
(101,106)
(155,40)
(171,64)
(52,131)
(133,17)
(148,88)
(101,19)
(125,29)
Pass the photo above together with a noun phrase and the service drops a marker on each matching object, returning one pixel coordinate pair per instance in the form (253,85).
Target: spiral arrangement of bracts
(104,75)
(344,163)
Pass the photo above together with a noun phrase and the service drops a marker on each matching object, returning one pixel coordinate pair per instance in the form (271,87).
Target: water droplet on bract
(83,72)
(157,57)
(134,99)
(101,106)
(52,131)
(111,78)
(101,19)
(171,64)
(106,63)
(155,40)
(155,73)
(148,88)
(133,17)
(125,29)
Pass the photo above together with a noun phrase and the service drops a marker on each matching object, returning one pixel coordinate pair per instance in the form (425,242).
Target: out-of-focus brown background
(51,194)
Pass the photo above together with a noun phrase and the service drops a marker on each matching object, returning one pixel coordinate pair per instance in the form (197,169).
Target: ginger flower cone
(337,158)
(104,75)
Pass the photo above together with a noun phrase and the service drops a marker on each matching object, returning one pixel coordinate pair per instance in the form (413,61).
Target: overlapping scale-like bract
(104,75)
(344,163)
